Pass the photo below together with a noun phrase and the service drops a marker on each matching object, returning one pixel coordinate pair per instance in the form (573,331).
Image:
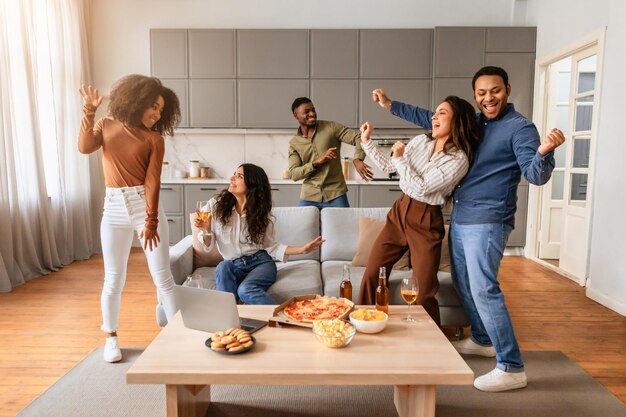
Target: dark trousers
(415,226)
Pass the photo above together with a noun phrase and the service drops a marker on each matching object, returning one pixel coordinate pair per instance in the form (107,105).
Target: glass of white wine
(409,293)
(202,210)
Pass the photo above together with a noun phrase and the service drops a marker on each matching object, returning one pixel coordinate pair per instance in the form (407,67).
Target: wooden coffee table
(414,358)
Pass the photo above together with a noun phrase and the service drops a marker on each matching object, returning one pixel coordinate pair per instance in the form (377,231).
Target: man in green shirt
(313,157)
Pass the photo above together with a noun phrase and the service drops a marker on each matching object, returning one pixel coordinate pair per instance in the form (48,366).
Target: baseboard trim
(608,302)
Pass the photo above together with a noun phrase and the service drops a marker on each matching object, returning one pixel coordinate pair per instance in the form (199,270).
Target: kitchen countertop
(272,181)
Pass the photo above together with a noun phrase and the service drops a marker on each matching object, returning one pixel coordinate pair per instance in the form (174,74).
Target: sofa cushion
(295,226)
(369,229)
(201,258)
(340,229)
(296,278)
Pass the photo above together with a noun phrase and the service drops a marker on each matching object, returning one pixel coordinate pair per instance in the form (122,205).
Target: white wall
(559,24)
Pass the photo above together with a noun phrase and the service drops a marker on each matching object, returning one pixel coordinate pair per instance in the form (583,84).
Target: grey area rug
(557,388)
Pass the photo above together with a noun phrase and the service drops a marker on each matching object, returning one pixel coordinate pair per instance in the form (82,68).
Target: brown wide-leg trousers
(415,226)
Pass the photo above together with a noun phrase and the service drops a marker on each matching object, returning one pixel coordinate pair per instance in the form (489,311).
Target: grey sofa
(320,272)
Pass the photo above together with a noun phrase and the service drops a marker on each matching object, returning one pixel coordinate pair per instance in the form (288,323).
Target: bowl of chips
(333,333)
(369,321)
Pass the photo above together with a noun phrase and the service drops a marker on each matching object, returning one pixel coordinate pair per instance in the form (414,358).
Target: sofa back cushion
(295,226)
(340,229)
(200,257)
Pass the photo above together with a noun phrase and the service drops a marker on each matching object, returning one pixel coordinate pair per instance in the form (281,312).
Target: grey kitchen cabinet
(180,87)
(336,100)
(267,103)
(171,200)
(511,39)
(212,53)
(395,53)
(212,103)
(168,52)
(378,195)
(458,51)
(195,193)
(285,195)
(334,53)
(521,70)
(273,53)
(444,87)
(416,92)
(518,235)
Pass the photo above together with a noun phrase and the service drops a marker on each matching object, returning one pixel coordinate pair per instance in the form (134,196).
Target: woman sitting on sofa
(429,167)
(241,226)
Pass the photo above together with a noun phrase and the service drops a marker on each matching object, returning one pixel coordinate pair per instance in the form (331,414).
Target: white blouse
(232,241)
(422,177)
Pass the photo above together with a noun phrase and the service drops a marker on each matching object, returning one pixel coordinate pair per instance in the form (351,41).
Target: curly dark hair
(465,132)
(258,203)
(133,94)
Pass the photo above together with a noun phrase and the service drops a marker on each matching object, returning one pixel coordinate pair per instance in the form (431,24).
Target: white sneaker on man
(112,352)
(499,380)
(469,347)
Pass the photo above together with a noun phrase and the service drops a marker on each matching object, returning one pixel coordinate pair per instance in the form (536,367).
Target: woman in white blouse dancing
(429,167)
(241,226)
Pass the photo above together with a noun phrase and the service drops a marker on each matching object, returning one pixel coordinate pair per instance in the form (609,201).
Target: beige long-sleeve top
(131,156)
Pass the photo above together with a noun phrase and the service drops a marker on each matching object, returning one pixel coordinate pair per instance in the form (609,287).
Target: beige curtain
(47,216)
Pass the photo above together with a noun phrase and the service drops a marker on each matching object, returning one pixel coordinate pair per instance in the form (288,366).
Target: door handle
(208,189)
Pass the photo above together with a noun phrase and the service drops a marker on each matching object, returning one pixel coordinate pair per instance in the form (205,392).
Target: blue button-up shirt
(488,193)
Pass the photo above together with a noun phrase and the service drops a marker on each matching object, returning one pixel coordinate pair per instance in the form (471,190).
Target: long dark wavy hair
(258,203)
(465,132)
(133,94)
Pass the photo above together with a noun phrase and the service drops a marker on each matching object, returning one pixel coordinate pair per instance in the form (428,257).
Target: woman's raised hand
(90,96)
(366,131)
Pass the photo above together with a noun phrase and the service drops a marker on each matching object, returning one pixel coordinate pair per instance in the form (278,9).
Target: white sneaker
(499,380)
(112,352)
(161,318)
(469,347)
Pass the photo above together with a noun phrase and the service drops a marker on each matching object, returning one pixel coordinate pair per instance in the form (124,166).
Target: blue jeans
(248,277)
(341,201)
(476,252)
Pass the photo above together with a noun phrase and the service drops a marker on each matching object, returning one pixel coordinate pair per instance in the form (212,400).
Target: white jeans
(125,213)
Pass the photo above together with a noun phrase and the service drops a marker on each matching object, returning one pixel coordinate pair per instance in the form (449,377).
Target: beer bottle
(382,293)
(345,289)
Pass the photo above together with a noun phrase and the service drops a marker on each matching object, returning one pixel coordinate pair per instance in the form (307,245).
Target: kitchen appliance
(385,144)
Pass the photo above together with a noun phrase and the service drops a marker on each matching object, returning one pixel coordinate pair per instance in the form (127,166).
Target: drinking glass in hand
(409,294)
(202,210)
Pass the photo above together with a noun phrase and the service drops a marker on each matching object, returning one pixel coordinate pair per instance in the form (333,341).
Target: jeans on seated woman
(248,277)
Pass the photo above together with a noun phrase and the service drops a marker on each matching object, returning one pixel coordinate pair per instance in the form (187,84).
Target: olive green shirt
(325,182)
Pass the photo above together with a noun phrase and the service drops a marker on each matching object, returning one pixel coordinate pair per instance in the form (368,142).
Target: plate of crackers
(231,342)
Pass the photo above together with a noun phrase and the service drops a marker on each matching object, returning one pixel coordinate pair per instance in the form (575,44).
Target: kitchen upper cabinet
(511,39)
(180,87)
(212,53)
(395,53)
(521,70)
(168,52)
(416,92)
(273,53)
(444,87)
(267,103)
(336,100)
(458,51)
(334,53)
(212,103)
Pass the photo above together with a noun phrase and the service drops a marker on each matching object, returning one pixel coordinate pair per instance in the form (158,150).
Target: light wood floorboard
(51,323)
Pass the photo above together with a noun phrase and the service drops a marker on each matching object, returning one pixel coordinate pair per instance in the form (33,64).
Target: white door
(578,171)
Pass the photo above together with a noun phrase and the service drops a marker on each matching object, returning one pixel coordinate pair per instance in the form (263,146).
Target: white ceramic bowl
(369,326)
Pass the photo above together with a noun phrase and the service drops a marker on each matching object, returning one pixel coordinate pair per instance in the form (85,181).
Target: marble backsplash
(224,150)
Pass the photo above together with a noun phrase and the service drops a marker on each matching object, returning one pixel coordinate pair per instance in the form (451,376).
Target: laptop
(212,310)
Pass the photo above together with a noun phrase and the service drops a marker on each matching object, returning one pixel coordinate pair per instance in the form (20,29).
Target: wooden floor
(51,323)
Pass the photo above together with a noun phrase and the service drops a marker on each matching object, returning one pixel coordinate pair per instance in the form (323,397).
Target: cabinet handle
(208,189)
(166,189)
(394,189)
(275,189)
(170,221)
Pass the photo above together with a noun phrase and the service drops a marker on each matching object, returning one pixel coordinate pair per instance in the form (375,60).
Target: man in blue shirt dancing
(483,217)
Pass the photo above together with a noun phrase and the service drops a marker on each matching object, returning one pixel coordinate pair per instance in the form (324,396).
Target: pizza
(316,309)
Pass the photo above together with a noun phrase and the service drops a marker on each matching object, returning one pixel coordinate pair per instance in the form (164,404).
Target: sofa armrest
(181,259)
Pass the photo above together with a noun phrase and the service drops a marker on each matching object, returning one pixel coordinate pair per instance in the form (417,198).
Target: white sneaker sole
(493,388)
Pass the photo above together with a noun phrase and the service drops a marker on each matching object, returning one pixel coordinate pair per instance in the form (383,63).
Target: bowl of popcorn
(333,333)
(369,321)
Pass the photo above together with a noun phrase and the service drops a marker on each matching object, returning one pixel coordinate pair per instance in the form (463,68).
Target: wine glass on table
(409,293)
